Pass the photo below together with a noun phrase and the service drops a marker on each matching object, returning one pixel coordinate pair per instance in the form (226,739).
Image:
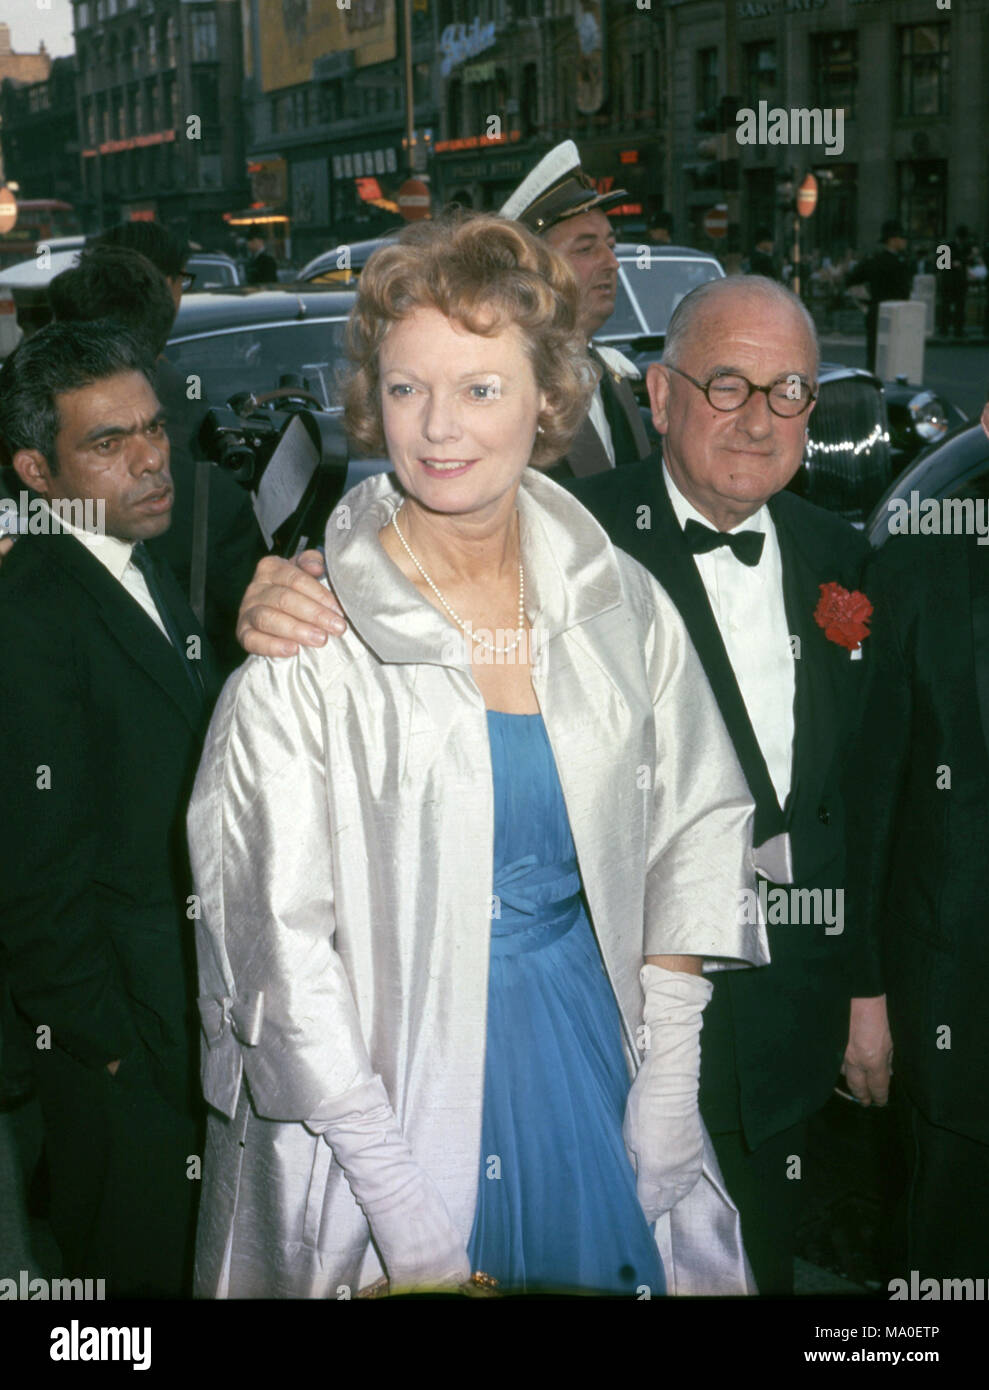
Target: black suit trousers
(947,1211)
(123,1205)
(762,1184)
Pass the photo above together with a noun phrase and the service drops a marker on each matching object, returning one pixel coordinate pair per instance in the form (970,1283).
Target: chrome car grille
(847,459)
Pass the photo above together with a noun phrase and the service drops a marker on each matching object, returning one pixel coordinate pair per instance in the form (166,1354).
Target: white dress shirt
(115,556)
(600,422)
(747,602)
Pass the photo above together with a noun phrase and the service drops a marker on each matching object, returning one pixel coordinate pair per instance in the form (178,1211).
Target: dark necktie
(745,545)
(144,562)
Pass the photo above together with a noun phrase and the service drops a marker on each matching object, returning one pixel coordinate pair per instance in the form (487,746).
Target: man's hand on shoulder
(286,607)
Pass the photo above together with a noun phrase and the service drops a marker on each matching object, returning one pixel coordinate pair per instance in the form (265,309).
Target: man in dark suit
(262,269)
(106,683)
(744,562)
(773,1039)
(559,202)
(886,275)
(761,260)
(114,280)
(918,853)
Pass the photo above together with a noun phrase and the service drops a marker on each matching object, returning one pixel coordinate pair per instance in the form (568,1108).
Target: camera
(289,452)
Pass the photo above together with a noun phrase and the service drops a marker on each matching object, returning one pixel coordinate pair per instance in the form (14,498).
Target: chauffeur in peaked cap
(559,202)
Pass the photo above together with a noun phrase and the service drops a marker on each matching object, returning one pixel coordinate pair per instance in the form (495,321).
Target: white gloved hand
(418,1242)
(663,1131)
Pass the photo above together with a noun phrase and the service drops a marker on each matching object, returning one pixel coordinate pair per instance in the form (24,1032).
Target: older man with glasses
(766,585)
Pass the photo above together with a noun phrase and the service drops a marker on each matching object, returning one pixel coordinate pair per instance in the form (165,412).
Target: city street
(959,371)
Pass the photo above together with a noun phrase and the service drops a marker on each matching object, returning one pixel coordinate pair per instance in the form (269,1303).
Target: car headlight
(929,415)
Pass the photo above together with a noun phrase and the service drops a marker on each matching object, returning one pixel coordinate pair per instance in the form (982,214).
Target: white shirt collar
(114,554)
(686,511)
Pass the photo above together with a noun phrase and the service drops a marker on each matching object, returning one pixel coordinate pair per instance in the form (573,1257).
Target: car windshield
(253,359)
(211,274)
(657,289)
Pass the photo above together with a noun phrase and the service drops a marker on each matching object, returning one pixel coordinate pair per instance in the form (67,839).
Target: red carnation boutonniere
(844,616)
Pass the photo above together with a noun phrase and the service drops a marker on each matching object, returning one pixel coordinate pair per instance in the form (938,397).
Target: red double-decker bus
(38,220)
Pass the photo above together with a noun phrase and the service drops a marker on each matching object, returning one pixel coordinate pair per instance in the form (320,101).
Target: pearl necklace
(481,641)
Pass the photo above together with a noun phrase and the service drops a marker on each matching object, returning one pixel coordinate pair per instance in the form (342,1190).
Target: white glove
(662,1130)
(412,1229)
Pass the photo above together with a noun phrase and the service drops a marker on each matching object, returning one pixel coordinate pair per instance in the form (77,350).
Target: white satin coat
(342,833)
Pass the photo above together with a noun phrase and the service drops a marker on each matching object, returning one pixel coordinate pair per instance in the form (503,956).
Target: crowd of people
(431,950)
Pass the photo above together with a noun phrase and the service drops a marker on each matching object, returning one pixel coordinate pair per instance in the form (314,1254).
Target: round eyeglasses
(727,391)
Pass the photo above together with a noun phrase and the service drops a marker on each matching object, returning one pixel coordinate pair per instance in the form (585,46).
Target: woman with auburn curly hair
(459,869)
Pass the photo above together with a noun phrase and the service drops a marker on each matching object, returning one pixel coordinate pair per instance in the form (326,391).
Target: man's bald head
(730,463)
(755,291)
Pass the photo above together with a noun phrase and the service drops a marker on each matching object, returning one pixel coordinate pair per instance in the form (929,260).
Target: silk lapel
(675,569)
(979,580)
(128,624)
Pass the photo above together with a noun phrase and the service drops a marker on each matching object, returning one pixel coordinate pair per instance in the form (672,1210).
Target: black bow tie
(745,545)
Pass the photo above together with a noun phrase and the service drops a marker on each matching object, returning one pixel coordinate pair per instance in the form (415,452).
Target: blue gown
(557,1208)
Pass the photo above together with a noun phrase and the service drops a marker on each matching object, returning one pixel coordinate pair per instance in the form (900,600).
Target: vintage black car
(958,466)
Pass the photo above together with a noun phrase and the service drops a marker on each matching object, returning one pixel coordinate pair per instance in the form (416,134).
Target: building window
(834,58)
(329,102)
(207,98)
(924,70)
(922,198)
(760,73)
(203,25)
(638,74)
(82,14)
(707,79)
(529,105)
(170,42)
(152,50)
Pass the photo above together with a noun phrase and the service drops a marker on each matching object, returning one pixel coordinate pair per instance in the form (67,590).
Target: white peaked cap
(556,189)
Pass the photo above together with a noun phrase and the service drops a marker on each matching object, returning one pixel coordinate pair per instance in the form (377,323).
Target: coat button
(824,815)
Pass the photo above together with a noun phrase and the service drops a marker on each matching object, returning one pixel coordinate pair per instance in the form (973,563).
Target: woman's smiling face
(459,411)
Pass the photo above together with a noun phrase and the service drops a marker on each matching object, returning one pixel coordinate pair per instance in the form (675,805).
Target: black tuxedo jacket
(103,732)
(919,820)
(773,1038)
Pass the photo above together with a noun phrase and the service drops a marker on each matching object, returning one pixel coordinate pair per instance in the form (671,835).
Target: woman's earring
(540,430)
